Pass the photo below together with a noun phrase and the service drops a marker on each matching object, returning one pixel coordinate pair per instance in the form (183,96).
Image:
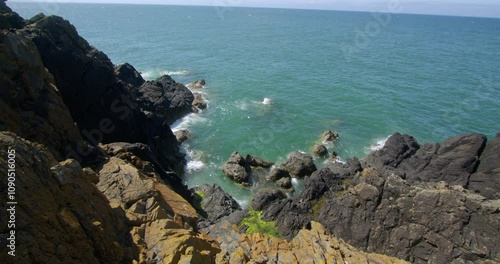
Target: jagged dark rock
(216,203)
(237,168)
(299,164)
(265,197)
(128,74)
(258,162)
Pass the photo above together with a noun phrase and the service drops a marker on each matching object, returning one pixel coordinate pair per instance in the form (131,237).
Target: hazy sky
(489,8)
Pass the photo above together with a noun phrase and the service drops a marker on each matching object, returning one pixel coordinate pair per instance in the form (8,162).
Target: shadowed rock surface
(215,203)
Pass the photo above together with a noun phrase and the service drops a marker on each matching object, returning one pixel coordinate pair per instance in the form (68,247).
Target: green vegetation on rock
(198,198)
(255,224)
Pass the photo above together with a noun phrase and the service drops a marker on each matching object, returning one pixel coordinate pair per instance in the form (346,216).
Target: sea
(276,79)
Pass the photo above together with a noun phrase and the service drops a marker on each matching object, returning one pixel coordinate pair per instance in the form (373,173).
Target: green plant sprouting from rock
(255,224)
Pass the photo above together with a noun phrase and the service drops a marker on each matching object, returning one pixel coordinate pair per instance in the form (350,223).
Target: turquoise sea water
(365,76)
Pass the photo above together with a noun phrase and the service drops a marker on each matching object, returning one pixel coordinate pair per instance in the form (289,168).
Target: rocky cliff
(95,176)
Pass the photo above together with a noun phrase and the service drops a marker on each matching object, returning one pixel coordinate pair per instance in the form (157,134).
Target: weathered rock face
(376,206)
(299,164)
(61,217)
(216,203)
(161,222)
(312,245)
(266,196)
(30,104)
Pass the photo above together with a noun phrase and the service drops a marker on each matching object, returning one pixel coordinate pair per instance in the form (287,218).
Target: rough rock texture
(486,179)
(161,222)
(278,173)
(215,203)
(265,197)
(299,164)
(374,204)
(320,150)
(312,245)
(61,217)
(198,84)
(30,104)
(285,183)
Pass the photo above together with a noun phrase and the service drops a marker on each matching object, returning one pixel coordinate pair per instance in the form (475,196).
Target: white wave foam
(178,72)
(295,182)
(187,121)
(266,101)
(153,74)
(242,203)
(194,165)
(379,144)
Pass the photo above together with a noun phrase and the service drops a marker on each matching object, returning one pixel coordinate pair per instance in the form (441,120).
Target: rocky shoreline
(98,176)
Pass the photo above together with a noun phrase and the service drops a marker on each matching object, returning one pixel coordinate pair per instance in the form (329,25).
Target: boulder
(299,164)
(237,168)
(182,135)
(198,84)
(215,203)
(333,157)
(320,150)
(329,136)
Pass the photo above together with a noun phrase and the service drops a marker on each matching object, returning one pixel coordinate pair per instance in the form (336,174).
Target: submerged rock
(330,136)
(299,164)
(199,102)
(198,84)
(182,135)
(320,150)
